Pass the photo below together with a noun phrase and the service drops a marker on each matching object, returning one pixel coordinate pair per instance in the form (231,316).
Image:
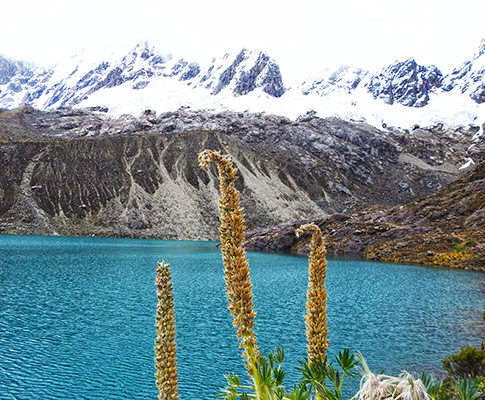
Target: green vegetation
(467,363)
(461,253)
(321,379)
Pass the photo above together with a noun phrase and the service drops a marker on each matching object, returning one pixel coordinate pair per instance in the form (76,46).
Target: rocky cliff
(406,83)
(81,172)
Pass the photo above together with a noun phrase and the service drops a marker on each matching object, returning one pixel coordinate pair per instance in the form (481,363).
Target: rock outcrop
(445,229)
(134,186)
(406,83)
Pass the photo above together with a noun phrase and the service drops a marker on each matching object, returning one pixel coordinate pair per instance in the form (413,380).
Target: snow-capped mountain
(14,72)
(345,79)
(407,83)
(470,77)
(403,94)
(243,73)
(13,78)
(77,79)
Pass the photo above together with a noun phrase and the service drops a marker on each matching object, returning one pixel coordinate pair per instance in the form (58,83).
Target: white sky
(303,36)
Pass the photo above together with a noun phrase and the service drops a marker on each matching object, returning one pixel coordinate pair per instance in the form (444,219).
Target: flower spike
(316,306)
(165,347)
(236,266)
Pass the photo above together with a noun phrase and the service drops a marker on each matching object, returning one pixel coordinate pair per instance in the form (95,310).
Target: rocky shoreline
(446,229)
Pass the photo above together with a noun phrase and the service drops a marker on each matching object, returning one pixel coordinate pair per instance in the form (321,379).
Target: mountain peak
(470,77)
(406,82)
(242,72)
(144,50)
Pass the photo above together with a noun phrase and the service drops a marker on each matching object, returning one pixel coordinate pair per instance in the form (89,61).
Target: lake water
(77,315)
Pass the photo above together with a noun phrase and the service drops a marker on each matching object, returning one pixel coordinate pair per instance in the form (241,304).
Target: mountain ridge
(83,172)
(402,94)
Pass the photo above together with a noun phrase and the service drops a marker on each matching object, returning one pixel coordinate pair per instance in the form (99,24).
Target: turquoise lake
(77,315)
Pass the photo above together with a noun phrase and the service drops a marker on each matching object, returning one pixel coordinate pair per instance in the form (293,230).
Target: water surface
(77,315)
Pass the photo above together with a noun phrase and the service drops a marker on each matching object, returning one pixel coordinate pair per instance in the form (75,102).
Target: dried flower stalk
(236,266)
(165,347)
(316,306)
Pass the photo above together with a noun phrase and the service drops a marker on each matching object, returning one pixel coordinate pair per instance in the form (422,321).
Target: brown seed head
(165,347)
(316,306)
(236,266)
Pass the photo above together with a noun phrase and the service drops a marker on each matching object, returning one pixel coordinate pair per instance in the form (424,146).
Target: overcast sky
(304,36)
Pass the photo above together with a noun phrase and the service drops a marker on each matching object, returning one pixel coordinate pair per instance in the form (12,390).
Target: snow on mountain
(76,80)
(13,78)
(470,77)
(406,83)
(345,79)
(241,73)
(404,94)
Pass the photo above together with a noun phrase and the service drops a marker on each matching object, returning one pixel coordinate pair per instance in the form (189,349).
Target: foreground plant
(384,387)
(316,305)
(467,389)
(315,374)
(312,383)
(165,347)
(469,362)
(433,386)
(236,266)
(266,373)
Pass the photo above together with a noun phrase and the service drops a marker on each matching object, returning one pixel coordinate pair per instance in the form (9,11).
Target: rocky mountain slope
(406,83)
(132,186)
(446,229)
(82,172)
(402,94)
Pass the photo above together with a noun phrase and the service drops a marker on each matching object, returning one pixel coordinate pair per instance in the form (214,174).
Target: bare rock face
(81,172)
(135,186)
(406,83)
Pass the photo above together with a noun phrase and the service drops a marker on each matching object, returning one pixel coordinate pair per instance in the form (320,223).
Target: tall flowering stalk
(165,347)
(316,306)
(236,266)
